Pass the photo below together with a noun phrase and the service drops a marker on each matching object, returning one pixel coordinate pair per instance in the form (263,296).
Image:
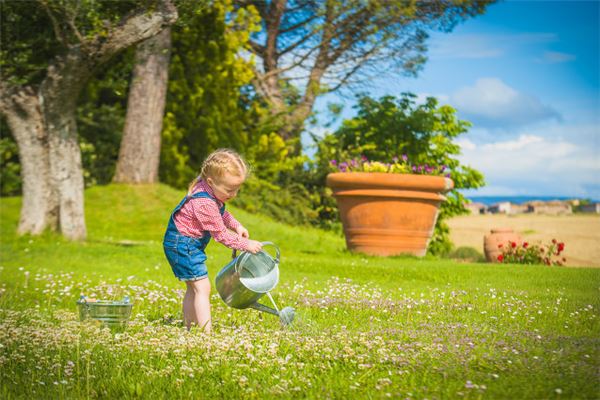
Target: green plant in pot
(371,143)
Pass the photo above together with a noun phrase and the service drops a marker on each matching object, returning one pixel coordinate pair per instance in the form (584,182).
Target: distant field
(579,232)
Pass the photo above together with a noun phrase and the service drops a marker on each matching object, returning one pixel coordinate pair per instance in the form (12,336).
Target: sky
(526,75)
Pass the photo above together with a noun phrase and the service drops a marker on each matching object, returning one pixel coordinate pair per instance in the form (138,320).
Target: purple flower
(470,385)
(447,175)
(404,157)
(364,158)
(395,159)
(333,162)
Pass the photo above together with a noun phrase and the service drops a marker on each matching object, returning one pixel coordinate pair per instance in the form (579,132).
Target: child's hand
(254,246)
(243,232)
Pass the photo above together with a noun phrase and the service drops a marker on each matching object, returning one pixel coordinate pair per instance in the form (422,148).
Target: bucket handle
(247,254)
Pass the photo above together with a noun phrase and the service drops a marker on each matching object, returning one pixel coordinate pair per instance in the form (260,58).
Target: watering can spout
(286,315)
(262,307)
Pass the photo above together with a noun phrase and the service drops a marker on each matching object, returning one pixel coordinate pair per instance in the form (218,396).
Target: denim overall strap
(206,235)
(172,230)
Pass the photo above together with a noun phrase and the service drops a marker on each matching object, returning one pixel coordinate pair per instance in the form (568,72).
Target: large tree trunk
(139,154)
(40,201)
(43,124)
(58,93)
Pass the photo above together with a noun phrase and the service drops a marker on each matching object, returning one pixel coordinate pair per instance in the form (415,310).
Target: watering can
(248,277)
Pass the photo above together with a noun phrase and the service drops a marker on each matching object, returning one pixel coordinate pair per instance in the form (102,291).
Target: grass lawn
(366,327)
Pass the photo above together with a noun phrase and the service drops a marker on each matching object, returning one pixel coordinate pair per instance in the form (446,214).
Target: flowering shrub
(399,165)
(526,253)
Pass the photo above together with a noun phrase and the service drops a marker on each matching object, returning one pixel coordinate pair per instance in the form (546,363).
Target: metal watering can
(248,277)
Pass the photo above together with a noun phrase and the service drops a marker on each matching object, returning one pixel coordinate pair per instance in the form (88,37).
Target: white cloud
(491,102)
(554,57)
(520,143)
(466,144)
(480,46)
(564,163)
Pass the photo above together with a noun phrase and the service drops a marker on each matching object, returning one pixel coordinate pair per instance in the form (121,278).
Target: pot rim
(383,180)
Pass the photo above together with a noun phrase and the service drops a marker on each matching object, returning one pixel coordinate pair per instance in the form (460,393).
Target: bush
(290,205)
(526,253)
(10,168)
(466,253)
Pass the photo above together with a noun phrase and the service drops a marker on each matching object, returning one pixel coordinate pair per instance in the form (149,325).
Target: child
(198,217)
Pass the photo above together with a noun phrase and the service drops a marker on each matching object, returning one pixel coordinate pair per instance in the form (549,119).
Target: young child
(198,217)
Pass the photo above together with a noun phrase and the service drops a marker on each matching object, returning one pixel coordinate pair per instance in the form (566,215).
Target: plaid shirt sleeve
(230,221)
(209,219)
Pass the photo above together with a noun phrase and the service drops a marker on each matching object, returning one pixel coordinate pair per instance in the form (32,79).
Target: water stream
(272,301)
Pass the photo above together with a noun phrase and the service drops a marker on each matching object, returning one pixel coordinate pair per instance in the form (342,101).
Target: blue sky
(526,74)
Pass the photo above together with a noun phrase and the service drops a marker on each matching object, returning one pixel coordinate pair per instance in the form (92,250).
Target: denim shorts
(186,257)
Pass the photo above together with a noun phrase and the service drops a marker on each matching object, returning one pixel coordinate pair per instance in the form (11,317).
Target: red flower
(500,257)
(513,244)
(525,244)
(500,246)
(561,247)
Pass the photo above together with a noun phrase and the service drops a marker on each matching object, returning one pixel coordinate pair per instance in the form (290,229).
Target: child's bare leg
(196,304)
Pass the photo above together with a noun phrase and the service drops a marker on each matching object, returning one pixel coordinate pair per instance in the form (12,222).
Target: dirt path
(579,232)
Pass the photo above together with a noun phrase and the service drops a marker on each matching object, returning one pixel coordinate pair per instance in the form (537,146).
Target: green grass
(366,327)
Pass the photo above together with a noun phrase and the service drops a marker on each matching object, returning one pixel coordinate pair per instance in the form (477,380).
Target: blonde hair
(221,162)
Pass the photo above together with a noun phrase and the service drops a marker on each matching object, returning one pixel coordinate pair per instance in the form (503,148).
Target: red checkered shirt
(202,214)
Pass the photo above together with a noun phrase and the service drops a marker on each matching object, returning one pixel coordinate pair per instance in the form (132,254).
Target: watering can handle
(277,252)
(246,254)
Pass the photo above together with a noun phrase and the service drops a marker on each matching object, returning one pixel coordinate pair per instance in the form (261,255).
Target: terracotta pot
(496,237)
(388,214)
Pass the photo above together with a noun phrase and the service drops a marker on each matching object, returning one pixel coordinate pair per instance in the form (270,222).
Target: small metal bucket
(248,277)
(113,314)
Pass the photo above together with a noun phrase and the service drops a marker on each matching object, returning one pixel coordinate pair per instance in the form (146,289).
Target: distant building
(500,208)
(506,207)
(476,208)
(549,207)
(591,208)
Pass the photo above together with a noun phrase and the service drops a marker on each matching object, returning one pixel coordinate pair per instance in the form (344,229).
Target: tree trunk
(139,154)
(40,202)
(43,124)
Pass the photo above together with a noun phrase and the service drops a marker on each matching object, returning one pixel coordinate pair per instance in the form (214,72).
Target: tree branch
(298,43)
(298,25)
(256,48)
(60,36)
(134,28)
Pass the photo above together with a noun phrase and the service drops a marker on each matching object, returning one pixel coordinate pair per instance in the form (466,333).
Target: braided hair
(221,162)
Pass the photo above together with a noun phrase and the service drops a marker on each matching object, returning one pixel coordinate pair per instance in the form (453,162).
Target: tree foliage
(101,116)
(207,107)
(53,49)
(322,46)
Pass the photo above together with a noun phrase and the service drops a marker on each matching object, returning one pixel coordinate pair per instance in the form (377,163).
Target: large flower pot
(388,214)
(497,237)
